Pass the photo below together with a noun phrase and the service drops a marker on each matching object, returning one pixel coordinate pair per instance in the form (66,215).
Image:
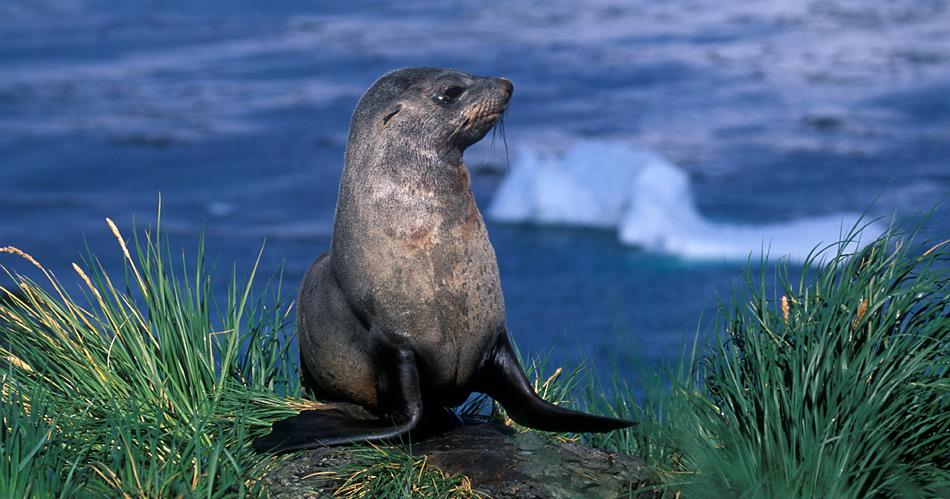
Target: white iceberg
(648,200)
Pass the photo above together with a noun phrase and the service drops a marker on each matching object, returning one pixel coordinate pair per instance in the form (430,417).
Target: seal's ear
(393,111)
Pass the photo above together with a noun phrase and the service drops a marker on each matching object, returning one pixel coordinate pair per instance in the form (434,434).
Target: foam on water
(648,201)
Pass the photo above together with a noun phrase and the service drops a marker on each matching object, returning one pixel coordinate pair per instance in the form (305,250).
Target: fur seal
(404,315)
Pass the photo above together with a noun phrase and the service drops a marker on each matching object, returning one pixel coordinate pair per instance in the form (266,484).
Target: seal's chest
(433,227)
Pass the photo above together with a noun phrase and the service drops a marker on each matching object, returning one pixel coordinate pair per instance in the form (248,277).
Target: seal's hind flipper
(326,427)
(341,425)
(503,379)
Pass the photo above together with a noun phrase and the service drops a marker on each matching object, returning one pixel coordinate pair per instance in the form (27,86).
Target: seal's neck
(410,164)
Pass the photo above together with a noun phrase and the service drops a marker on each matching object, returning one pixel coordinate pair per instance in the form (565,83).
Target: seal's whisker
(462,125)
(504,139)
(494,132)
(491,147)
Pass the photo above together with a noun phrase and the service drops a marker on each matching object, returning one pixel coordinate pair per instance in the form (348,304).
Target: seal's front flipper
(503,379)
(337,425)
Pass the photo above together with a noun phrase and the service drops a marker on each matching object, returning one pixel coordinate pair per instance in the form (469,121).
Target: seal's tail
(504,380)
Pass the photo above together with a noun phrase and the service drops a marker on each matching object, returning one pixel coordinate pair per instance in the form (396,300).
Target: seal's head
(440,109)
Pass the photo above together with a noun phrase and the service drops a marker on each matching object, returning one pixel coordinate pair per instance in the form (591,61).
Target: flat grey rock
(500,463)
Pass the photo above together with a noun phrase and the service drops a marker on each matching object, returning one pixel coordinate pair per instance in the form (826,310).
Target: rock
(531,464)
(499,462)
(307,475)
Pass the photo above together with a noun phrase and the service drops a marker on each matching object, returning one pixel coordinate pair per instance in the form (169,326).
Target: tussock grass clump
(835,385)
(147,389)
(832,384)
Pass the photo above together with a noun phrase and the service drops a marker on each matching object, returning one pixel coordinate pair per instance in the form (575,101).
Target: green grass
(393,473)
(834,384)
(156,393)
(35,460)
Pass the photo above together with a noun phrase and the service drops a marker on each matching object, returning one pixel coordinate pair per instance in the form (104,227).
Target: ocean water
(651,147)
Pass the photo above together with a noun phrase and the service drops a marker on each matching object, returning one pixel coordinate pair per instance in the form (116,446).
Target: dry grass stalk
(125,251)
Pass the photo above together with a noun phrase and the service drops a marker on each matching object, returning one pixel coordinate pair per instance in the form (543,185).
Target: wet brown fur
(410,257)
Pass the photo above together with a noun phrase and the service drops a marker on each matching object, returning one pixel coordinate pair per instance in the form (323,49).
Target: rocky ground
(500,463)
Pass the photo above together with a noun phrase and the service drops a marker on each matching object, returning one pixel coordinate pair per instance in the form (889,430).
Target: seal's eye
(449,95)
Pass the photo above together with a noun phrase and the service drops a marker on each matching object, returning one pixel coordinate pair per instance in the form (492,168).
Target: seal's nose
(507,86)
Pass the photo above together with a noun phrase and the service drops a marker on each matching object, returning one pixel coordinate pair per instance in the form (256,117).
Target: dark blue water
(236,113)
